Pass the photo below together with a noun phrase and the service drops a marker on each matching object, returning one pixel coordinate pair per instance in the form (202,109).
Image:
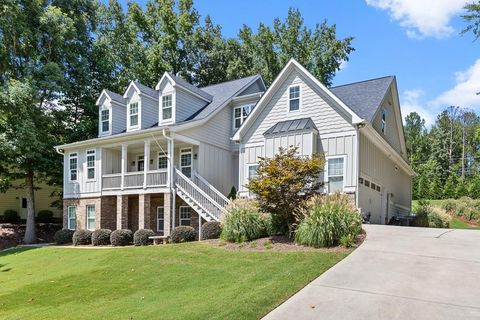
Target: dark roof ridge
(361,81)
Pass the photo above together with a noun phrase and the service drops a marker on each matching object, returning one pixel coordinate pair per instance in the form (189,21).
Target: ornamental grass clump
(244,222)
(325,220)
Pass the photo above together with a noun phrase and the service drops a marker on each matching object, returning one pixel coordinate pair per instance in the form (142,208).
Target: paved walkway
(397,273)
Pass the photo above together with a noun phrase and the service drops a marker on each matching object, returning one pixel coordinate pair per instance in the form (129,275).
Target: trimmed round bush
(244,222)
(183,234)
(101,237)
(11,216)
(140,237)
(82,237)
(326,220)
(211,230)
(121,237)
(44,216)
(63,236)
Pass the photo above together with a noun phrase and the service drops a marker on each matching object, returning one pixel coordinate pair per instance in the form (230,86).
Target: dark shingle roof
(190,87)
(147,90)
(291,126)
(364,97)
(115,96)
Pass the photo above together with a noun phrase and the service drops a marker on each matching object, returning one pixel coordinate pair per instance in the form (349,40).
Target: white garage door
(371,202)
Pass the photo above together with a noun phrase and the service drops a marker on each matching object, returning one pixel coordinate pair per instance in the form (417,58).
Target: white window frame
(87,218)
(299,98)
(243,114)
(138,158)
(89,153)
(69,218)
(162,219)
(182,152)
(162,107)
(138,114)
(383,120)
(344,157)
(73,155)
(189,219)
(102,121)
(161,155)
(247,174)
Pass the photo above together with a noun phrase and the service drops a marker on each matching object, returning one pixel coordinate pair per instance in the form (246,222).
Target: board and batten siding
(376,166)
(217,166)
(82,187)
(186,104)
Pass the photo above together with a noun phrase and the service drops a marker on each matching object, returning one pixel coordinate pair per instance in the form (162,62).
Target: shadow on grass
(16,250)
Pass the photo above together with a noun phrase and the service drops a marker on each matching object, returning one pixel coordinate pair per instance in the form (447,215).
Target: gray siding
(217,165)
(186,105)
(253,88)
(149,112)
(119,118)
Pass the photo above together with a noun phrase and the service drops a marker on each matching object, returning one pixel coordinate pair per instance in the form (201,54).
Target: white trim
(72,155)
(140,93)
(184,219)
(69,218)
(87,218)
(299,98)
(184,151)
(175,85)
(326,176)
(241,99)
(242,118)
(139,114)
(247,176)
(158,219)
(173,99)
(94,164)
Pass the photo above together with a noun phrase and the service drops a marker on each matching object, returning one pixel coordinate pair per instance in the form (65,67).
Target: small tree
(285,181)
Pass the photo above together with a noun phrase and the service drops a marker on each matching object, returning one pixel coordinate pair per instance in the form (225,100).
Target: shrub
(449,205)
(421,214)
(140,237)
(63,236)
(438,218)
(428,216)
(243,222)
(211,230)
(101,237)
(121,237)
(183,234)
(82,237)
(325,220)
(44,216)
(347,241)
(11,216)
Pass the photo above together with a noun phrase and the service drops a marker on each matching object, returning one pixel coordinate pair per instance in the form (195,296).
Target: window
(167,107)
(373,186)
(240,114)
(360,180)
(90,164)
(252,173)
(335,174)
(384,120)
(133,112)
(378,188)
(294,98)
(184,216)
(186,162)
(105,120)
(73,161)
(367,183)
(162,161)
(160,219)
(91,217)
(72,218)
(140,162)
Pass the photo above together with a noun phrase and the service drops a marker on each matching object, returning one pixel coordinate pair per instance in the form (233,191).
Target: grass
(184,281)
(456,223)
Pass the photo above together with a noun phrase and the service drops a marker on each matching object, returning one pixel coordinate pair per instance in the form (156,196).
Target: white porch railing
(157,178)
(133,180)
(198,196)
(111,181)
(210,190)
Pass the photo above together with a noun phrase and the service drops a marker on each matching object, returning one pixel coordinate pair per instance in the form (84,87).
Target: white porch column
(146,162)
(171,179)
(124,165)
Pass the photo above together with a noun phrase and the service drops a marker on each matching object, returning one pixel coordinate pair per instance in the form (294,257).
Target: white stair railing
(198,196)
(212,192)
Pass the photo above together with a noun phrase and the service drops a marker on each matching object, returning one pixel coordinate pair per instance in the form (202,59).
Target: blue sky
(416,40)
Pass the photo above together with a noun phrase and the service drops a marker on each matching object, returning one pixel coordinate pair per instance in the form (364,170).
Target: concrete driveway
(397,273)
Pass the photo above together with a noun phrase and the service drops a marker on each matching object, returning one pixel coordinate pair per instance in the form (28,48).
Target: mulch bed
(11,234)
(279,243)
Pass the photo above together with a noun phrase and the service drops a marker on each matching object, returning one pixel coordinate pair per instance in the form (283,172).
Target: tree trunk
(30,229)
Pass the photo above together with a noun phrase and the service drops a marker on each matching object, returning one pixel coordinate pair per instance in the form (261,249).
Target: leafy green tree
(449,189)
(285,181)
(472,18)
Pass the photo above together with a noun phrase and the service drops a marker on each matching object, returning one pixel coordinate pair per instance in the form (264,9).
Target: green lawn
(185,281)
(456,223)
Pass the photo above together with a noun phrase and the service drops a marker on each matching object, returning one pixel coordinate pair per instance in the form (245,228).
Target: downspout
(357,189)
(171,180)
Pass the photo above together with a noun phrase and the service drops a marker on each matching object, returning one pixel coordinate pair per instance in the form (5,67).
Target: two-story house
(169,156)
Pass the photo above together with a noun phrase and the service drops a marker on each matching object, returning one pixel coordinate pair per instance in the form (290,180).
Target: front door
(140,163)
(186,161)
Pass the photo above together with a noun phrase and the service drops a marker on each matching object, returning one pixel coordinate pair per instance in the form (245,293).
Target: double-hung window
(184,216)
(252,173)
(186,162)
(335,174)
(72,218)
(160,219)
(240,114)
(162,161)
(294,98)
(105,120)
(167,107)
(133,114)
(73,166)
(90,164)
(384,120)
(90,217)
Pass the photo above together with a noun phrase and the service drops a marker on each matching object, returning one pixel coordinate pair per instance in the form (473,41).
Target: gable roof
(291,126)
(364,97)
(189,87)
(112,96)
(141,88)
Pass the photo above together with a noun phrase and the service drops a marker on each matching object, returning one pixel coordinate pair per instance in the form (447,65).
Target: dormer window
(240,114)
(294,98)
(384,120)
(105,120)
(133,114)
(167,107)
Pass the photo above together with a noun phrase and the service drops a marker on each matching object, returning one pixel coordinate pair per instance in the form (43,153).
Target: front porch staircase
(199,194)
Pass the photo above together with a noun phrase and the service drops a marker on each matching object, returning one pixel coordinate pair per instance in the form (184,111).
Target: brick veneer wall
(133,213)
(81,205)
(108,213)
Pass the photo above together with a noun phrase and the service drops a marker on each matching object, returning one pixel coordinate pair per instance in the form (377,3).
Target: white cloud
(343,65)
(422,18)
(463,94)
